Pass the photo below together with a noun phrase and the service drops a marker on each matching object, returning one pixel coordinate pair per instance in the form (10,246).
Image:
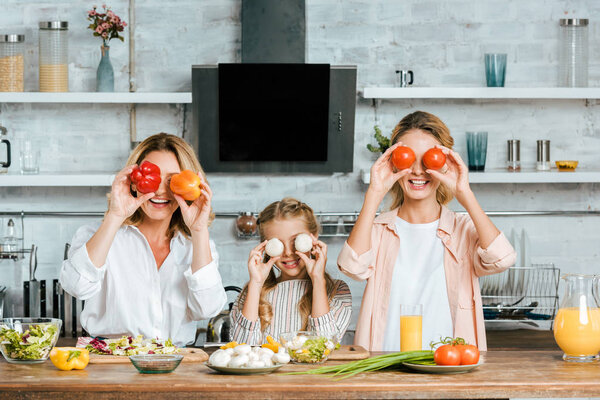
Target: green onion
(371,364)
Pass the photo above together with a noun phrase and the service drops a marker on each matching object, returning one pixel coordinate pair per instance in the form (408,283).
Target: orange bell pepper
(68,358)
(272,344)
(186,184)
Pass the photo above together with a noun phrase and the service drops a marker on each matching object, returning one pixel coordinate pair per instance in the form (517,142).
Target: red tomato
(434,158)
(469,354)
(447,355)
(403,157)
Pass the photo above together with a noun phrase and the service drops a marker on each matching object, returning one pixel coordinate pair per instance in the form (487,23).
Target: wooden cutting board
(350,352)
(189,355)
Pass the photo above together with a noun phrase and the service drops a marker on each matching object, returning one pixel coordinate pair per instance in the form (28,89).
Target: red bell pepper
(146,177)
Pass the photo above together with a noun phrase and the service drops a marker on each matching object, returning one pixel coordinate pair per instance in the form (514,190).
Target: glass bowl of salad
(308,346)
(28,340)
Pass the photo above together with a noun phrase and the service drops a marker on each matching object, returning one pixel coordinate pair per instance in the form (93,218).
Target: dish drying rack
(527,295)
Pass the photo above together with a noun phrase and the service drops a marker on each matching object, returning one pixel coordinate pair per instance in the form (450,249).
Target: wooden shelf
(58,179)
(524,176)
(480,93)
(97,97)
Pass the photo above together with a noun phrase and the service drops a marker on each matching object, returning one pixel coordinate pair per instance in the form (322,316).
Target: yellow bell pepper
(68,358)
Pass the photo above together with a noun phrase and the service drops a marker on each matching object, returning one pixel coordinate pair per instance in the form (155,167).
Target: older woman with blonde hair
(149,266)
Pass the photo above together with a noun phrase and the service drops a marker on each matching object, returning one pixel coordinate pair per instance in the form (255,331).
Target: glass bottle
(12,63)
(573,53)
(10,242)
(245,224)
(54,49)
(577,322)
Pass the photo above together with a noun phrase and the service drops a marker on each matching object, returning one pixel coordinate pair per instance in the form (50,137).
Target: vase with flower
(105,25)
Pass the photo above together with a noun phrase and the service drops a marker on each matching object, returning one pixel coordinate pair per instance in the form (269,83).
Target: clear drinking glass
(411,327)
(495,69)
(477,150)
(30,157)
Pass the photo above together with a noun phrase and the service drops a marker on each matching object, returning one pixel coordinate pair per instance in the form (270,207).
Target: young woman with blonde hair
(420,252)
(149,267)
(302,296)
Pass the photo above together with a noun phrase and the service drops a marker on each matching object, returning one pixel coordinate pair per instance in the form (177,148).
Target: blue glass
(495,69)
(105,76)
(477,150)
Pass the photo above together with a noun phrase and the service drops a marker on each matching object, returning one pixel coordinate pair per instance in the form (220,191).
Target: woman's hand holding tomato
(315,267)
(383,175)
(197,215)
(122,203)
(456,352)
(456,177)
(257,269)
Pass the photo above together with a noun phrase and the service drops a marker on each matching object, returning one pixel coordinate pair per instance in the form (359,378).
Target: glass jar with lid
(54,51)
(12,62)
(573,52)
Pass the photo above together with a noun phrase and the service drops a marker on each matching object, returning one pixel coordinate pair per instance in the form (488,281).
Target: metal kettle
(218,327)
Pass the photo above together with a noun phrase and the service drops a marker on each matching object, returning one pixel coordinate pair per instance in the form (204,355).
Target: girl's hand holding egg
(315,265)
(259,270)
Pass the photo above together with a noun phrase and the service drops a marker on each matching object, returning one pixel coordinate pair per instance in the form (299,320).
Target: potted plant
(383,142)
(106,25)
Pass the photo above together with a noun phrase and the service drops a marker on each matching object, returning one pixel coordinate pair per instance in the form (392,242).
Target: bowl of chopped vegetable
(28,340)
(308,346)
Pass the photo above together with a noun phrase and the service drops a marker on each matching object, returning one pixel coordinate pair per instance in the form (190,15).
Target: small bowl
(12,332)
(156,363)
(303,346)
(566,165)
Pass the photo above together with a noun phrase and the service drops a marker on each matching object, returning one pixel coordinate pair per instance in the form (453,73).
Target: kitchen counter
(524,373)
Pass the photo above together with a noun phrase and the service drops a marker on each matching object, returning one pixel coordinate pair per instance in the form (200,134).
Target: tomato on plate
(455,351)
(469,354)
(447,354)
(434,158)
(403,157)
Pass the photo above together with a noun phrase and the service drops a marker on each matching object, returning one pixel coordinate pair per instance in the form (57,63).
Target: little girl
(302,296)
(420,252)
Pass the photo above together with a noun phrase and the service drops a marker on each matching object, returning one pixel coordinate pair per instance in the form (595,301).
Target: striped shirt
(284,299)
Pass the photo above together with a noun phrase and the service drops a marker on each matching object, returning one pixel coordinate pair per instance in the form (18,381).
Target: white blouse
(129,295)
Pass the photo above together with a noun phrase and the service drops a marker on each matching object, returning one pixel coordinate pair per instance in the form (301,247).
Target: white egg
(253,356)
(266,358)
(303,243)
(274,247)
(281,358)
(219,358)
(256,364)
(242,349)
(264,350)
(238,361)
(229,351)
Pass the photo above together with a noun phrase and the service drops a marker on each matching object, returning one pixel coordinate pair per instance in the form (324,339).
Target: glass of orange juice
(411,327)
(577,322)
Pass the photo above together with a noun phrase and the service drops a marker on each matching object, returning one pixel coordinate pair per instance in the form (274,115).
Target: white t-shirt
(419,278)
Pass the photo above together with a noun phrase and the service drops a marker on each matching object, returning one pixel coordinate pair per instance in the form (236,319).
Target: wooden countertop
(505,374)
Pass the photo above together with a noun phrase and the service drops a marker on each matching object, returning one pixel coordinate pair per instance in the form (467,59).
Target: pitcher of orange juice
(577,322)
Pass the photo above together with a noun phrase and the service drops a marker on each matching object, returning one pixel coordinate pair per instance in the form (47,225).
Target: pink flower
(99,29)
(105,25)
(124,24)
(104,6)
(104,35)
(92,13)
(110,13)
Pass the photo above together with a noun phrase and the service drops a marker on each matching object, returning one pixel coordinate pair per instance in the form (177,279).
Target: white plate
(443,369)
(245,370)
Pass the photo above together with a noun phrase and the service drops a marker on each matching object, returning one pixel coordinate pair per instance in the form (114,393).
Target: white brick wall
(441,41)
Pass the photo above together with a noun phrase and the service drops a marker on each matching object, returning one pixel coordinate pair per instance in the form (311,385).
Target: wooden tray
(350,352)
(189,355)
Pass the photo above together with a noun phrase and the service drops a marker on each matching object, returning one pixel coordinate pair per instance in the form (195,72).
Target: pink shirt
(464,262)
